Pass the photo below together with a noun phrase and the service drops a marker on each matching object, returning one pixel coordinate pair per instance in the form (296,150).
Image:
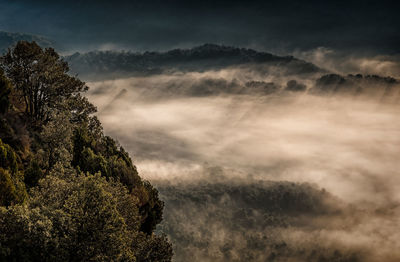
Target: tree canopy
(41,80)
(67,191)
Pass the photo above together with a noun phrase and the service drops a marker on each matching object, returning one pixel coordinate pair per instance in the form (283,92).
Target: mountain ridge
(201,58)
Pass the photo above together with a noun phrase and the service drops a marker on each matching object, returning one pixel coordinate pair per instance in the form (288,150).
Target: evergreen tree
(41,80)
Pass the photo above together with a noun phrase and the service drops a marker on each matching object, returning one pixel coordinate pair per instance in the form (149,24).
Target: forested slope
(68,192)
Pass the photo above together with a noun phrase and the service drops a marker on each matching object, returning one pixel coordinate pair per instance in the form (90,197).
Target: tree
(70,218)
(151,210)
(53,146)
(41,80)
(5,90)
(152,248)
(33,173)
(12,187)
(55,140)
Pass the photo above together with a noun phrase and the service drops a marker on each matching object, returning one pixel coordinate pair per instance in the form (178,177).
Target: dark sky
(278,26)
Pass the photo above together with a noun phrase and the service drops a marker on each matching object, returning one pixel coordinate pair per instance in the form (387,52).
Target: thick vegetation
(67,191)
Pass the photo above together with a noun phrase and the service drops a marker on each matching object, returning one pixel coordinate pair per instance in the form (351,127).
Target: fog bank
(347,145)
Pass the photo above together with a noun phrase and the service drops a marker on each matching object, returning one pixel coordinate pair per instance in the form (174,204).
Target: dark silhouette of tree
(41,80)
(5,90)
(12,188)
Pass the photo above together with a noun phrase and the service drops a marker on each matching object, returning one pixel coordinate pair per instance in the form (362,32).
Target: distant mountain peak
(213,47)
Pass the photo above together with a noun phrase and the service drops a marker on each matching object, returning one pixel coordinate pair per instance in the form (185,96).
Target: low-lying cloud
(217,155)
(345,63)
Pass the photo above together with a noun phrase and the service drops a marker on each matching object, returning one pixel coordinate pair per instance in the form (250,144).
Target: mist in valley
(271,129)
(264,167)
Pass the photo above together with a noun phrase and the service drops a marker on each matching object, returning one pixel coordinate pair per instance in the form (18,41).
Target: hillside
(109,64)
(68,192)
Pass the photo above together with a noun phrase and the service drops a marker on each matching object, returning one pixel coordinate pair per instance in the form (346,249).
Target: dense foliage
(67,191)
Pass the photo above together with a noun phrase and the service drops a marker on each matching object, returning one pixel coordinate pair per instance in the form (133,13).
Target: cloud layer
(221,159)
